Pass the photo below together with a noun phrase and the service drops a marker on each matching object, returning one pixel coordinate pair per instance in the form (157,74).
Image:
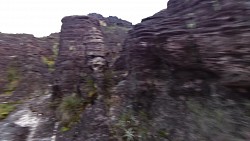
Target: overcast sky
(42,17)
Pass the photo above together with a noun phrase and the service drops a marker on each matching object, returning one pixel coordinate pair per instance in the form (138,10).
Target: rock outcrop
(86,51)
(25,71)
(188,73)
(24,64)
(111,20)
(181,75)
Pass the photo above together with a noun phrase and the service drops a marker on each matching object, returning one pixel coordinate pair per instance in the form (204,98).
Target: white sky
(42,17)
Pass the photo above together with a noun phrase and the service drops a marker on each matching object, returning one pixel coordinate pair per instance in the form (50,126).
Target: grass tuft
(70,109)
(6,109)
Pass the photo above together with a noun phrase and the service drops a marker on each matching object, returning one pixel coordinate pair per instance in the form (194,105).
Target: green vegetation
(115,28)
(5,109)
(118,27)
(70,109)
(64,129)
(108,85)
(50,60)
(90,87)
(13,78)
(163,134)
(129,134)
(131,127)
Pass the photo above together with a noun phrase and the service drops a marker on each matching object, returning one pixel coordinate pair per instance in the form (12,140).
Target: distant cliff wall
(25,64)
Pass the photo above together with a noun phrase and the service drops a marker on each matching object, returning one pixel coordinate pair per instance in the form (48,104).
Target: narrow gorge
(182,74)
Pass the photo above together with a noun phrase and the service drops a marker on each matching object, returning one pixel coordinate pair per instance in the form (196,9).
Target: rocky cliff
(179,75)
(24,63)
(182,75)
(87,51)
(77,62)
(111,20)
(188,73)
(25,70)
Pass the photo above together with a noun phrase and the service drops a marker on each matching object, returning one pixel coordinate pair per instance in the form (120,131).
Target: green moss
(71,103)
(64,129)
(49,61)
(90,87)
(12,74)
(70,108)
(5,109)
(163,133)
(13,78)
(132,127)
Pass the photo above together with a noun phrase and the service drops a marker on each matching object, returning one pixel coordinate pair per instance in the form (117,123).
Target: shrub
(70,110)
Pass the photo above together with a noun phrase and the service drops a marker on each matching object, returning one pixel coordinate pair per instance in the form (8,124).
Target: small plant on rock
(129,134)
(70,110)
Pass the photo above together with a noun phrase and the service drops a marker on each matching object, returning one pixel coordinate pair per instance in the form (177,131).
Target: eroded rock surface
(111,20)
(183,75)
(189,72)
(25,71)
(79,72)
(87,51)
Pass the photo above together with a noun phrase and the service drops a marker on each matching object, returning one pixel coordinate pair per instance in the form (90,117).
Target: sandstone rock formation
(114,32)
(183,74)
(86,52)
(180,75)
(189,73)
(111,20)
(23,64)
(25,71)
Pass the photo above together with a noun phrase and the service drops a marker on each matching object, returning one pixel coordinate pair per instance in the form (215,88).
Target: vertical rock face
(189,72)
(22,65)
(25,73)
(185,75)
(87,50)
(80,67)
(114,32)
(81,43)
